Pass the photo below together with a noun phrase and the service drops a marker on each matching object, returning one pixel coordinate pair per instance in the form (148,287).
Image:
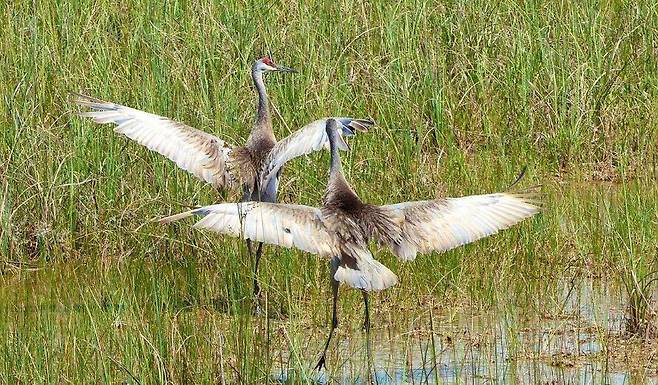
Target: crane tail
(360,271)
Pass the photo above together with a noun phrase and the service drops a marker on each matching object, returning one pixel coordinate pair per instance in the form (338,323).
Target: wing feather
(310,138)
(443,224)
(202,154)
(276,224)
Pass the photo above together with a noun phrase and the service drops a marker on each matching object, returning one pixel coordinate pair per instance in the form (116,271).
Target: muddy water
(579,341)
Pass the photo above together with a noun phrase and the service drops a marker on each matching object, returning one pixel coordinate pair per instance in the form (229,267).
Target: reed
(464,93)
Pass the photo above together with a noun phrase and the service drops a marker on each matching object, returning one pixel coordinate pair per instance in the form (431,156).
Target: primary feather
(277,224)
(310,138)
(203,155)
(446,223)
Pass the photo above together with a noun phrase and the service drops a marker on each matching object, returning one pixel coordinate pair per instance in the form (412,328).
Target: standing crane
(255,168)
(344,225)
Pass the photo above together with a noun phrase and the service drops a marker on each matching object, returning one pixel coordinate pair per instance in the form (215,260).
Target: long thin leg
(366,327)
(366,321)
(269,195)
(259,253)
(334,318)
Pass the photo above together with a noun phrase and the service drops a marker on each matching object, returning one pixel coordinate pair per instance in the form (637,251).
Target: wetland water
(542,305)
(580,341)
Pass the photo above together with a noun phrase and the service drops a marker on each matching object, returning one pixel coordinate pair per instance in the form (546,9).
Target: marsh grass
(637,268)
(641,320)
(464,93)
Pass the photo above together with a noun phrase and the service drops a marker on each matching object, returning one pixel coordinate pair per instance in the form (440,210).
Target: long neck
(339,194)
(335,167)
(337,183)
(262,136)
(263,115)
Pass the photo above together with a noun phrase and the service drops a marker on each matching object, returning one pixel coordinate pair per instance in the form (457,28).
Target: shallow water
(190,320)
(574,344)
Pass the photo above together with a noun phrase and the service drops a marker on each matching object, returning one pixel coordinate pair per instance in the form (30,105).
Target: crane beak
(340,139)
(342,144)
(285,69)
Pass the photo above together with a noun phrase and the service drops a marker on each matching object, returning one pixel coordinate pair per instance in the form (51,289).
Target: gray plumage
(345,224)
(254,167)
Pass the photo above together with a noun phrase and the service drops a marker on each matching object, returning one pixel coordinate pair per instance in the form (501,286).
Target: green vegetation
(464,93)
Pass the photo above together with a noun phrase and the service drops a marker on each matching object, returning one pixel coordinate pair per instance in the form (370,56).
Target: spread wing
(277,224)
(446,223)
(310,138)
(203,155)
(291,226)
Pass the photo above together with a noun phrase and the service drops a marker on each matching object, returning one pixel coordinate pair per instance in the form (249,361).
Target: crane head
(265,64)
(334,136)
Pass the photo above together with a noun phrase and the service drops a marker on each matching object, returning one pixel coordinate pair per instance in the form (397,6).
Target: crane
(255,167)
(344,225)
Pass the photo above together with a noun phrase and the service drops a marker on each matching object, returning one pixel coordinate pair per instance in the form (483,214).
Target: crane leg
(259,253)
(366,327)
(366,321)
(334,318)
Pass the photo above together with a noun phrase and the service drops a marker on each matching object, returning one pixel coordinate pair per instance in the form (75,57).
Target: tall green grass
(464,94)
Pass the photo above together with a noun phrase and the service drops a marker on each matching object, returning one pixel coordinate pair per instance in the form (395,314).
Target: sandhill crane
(344,225)
(256,167)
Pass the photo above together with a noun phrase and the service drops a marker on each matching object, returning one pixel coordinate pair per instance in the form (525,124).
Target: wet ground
(579,341)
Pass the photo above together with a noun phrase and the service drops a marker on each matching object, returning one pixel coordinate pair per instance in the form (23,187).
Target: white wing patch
(444,224)
(310,138)
(203,155)
(277,224)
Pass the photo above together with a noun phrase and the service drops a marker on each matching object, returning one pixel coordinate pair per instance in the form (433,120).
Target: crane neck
(262,136)
(263,111)
(339,193)
(336,176)
(335,166)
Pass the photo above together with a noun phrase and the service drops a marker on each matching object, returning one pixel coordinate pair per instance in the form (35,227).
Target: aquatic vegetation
(464,94)
(641,321)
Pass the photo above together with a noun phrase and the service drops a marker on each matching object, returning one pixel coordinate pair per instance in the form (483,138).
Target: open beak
(285,69)
(340,140)
(349,148)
